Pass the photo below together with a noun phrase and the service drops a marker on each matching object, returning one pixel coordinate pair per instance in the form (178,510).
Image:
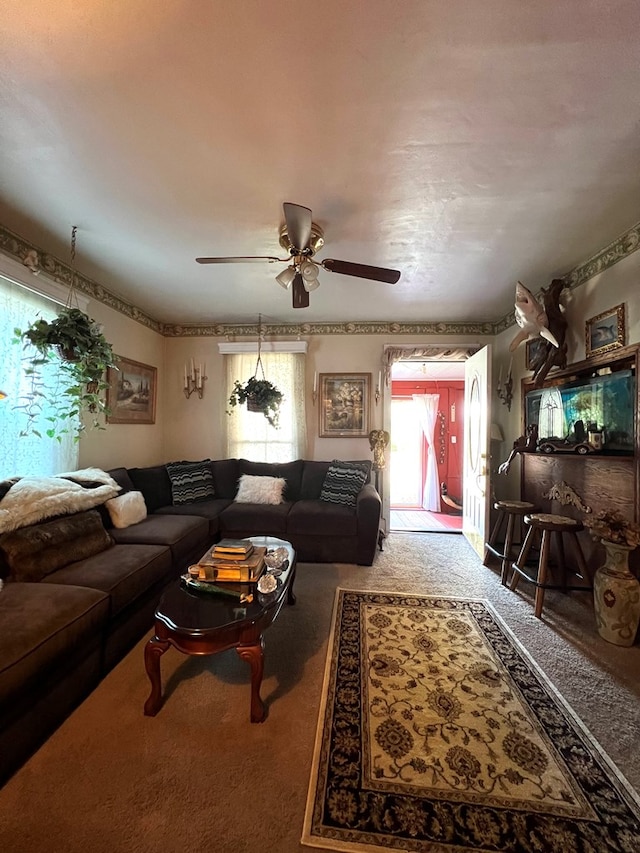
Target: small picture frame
(605,332)
(345,400)
(131,396)
(533,351)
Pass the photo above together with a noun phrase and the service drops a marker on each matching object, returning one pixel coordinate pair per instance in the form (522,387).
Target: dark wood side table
(199,623)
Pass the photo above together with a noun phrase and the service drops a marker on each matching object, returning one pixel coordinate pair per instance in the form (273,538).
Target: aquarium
(595,412)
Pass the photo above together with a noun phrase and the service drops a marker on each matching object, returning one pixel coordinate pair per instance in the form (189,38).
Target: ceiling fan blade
(300,294)
(298,221)
(249,259)
(361,271)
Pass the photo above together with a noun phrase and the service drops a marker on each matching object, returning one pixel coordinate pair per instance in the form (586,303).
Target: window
(24,455)
(249,435)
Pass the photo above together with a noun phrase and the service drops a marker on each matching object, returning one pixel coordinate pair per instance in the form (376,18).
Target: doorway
(411,508)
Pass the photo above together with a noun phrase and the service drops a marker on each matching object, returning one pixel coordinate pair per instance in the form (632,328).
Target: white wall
(128,445)
(193,428)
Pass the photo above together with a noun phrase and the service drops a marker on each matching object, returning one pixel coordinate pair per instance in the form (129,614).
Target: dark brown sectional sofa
(60,634)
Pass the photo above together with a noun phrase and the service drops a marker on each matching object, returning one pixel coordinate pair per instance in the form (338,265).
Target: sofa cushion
(127,509)
(322,518)
(312,479)
(125,573)
(30,553)
(255,519)
(155,485)
(210,510)
(260,490)
(290,471)
(225,477)
(190,481)
(41,625)
(186,535)
(122,478)
(343,481)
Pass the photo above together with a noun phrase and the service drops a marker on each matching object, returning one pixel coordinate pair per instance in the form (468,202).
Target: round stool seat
(510,515)
(550,521)
(542,526)
(514,506)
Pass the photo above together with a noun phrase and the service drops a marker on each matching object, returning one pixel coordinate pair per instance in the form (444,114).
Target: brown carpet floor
(200,777)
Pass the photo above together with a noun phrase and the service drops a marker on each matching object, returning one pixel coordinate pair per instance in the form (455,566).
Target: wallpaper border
(18,248)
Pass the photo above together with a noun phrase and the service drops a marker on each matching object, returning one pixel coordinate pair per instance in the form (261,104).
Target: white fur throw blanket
(32,499)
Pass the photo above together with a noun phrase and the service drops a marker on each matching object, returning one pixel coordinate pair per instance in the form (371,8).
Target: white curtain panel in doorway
(427,411)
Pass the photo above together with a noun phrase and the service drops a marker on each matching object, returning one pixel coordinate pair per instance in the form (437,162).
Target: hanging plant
(260,395)
(76,344)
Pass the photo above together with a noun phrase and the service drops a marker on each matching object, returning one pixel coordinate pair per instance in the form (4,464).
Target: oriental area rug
(439,733)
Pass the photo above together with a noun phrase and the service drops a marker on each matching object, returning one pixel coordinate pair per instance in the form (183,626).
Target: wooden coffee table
(200,623)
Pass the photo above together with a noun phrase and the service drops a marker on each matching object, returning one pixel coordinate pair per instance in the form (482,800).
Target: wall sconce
(378,393)
(194,379)
(505,391)
(314,393)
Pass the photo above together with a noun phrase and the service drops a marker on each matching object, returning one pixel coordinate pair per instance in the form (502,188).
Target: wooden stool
(508,512)
(542,525)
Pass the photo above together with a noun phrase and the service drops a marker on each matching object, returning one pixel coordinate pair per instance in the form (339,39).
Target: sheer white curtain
(22,455)
(249,434)
(427,410)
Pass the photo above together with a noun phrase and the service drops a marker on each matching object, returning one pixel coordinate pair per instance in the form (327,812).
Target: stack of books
(233,549)
(235,560)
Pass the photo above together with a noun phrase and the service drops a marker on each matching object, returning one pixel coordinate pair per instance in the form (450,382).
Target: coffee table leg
(254,655)
(153,651)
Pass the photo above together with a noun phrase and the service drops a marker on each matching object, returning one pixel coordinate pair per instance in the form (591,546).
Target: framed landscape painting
(345,399)
(131,395)
(605,332)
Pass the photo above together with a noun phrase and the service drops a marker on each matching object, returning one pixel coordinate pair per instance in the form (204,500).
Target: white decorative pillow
(127,509)
(260,490)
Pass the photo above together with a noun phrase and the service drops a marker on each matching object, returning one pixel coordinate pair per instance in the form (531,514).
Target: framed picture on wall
(131,395)
(345,400)
(605,332)
(534,349)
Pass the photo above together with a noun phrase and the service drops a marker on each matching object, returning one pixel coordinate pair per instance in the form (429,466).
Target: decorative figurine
(524,444)
(378,440)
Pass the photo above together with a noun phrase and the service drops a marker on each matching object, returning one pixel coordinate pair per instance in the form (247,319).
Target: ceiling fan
(302,238)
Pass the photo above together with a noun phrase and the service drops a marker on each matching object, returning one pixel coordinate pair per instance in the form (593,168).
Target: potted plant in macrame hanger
(260,395)
(74,342)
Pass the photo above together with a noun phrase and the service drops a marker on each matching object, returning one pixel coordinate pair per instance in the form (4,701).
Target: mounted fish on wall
(531,317)
(546,320)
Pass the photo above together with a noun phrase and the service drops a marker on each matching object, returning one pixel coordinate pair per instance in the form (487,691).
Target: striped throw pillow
(343,482)
(190,481)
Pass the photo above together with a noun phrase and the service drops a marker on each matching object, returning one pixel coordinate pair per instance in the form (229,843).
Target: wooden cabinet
(606,480)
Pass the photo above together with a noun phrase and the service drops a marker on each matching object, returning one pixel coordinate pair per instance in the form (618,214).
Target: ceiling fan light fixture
(285,277)
(309,273)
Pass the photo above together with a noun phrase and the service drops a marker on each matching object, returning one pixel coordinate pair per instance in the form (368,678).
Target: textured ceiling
(466,144)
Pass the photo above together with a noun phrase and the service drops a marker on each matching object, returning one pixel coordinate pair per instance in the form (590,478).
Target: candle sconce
(194,380)
(378,392)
